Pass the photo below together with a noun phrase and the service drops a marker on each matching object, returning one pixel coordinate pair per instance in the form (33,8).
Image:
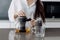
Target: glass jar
(39,29)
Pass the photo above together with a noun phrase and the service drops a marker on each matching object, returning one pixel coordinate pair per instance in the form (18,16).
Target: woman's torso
(29,10)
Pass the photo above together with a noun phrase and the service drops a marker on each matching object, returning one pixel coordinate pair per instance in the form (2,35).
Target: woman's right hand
(20,13)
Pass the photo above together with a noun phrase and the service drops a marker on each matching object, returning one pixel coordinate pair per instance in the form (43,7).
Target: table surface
(23,36)
(51,34)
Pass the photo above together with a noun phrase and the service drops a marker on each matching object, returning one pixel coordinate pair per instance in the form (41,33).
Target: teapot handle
(28,19)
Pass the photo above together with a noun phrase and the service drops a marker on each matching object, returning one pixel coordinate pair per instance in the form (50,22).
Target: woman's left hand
(32,22)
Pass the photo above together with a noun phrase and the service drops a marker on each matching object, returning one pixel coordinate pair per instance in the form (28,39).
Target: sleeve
(14,7)
(18,5)
(11,11)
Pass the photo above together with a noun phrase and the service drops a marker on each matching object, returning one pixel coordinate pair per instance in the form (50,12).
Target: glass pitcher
(39,29)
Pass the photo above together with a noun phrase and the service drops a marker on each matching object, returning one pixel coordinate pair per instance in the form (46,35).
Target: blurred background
(52,14)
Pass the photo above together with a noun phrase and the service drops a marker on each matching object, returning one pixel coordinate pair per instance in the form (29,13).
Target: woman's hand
(20,13)
(15,16)
(32,22)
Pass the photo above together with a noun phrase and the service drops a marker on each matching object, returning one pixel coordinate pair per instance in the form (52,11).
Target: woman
(30,8)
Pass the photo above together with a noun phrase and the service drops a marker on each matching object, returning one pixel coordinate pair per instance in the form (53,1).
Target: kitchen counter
(51,34)
(23,36)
